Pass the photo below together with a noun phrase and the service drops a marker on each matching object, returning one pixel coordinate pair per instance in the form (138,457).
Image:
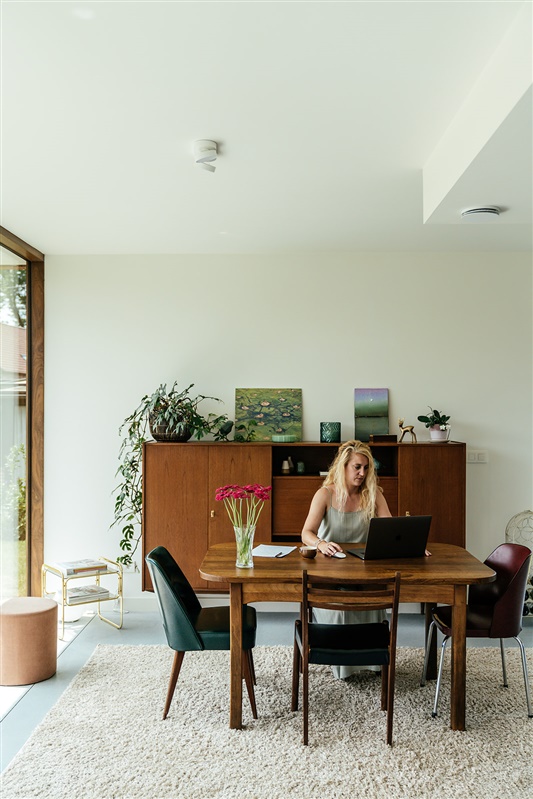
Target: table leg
(458,689)
(235,717)
(431,673)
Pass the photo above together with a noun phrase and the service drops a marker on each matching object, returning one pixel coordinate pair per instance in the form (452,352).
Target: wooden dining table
(442,577)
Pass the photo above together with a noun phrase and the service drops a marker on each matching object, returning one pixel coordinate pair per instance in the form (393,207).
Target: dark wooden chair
(494,610)
(191,628)
(371,644)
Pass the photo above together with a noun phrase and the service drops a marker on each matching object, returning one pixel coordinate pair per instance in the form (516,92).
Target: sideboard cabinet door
(175,506)
(179,507)
(236,464)
(432,480)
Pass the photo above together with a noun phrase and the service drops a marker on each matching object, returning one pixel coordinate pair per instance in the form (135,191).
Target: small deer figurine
(408,428)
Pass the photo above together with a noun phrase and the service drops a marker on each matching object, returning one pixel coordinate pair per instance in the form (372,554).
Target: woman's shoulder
(324,494)
(381,506)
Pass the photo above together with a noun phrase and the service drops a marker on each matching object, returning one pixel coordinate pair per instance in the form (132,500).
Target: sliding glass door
(13,424)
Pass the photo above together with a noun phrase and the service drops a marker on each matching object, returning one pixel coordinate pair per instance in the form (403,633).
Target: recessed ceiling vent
(485,214)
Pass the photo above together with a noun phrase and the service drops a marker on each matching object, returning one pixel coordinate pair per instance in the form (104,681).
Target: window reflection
(13,424)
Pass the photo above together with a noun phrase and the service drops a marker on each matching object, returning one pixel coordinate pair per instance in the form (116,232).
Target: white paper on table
(268,551)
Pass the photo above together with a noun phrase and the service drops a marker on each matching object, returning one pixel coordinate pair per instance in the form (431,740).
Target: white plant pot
(439,435)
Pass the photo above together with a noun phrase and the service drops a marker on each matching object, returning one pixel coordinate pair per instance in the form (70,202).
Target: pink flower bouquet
(244,504)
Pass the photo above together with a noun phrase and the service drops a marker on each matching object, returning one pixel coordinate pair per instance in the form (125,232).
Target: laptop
(394,537)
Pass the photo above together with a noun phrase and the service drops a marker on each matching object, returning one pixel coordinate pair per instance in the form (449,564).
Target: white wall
(450,330)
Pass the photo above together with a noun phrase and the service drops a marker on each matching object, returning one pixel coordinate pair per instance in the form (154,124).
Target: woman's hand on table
(428,553)
(328,548)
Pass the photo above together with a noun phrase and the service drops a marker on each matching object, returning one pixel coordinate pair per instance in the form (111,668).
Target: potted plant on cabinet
(169,415)
(437,422)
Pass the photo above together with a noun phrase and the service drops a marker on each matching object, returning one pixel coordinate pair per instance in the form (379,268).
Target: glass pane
(13,361)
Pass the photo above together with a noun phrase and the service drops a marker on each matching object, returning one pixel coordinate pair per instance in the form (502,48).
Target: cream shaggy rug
(105,738)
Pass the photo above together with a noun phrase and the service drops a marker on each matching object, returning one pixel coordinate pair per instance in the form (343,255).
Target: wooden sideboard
(179,483)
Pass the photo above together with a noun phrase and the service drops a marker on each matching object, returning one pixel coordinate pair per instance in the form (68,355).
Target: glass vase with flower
(244,505)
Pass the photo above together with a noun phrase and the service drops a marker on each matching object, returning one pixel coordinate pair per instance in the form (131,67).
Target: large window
(13,421)
(21,416)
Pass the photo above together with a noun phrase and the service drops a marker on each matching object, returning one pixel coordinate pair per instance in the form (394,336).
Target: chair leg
(384,686)
(390,699)
(296,668)
(427,653)
(248,679)
(305,699)
(174,674)
(504,666)
(526,677)
(439,677)
(252,666)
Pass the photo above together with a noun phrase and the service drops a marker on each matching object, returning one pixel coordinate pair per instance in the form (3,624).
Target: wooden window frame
(35,406)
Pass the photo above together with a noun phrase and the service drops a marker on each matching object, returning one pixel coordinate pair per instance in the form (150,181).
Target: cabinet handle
(212,514)
(407,513)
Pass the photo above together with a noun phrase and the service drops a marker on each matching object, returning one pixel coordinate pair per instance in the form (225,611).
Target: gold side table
(112,568)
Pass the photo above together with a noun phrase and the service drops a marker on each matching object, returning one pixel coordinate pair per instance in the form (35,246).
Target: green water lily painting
(276,411)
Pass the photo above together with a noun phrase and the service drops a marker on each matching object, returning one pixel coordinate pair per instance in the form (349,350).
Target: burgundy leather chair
(494,610)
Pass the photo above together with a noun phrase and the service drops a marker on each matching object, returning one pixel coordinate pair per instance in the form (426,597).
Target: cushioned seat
(28,640)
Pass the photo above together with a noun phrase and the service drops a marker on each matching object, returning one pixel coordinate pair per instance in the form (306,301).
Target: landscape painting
(371,412)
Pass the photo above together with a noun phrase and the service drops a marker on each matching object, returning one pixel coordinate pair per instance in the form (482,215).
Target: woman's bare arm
(382,509)
(318,508)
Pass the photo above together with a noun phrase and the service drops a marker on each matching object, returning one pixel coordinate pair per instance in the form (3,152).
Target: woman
(340,512)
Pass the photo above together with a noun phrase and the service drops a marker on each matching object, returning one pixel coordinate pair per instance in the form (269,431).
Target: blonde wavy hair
(336,477)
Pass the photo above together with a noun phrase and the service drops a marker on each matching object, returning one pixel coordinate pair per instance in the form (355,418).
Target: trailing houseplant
(169,415)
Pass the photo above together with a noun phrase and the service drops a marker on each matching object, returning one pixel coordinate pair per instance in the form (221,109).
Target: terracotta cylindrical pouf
(28,640)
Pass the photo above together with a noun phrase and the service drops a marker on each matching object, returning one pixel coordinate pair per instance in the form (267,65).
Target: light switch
(477,456)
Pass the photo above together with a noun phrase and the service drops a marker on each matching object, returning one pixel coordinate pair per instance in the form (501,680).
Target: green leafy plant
(246,431)
(435,418)
(168,415)
(13,516)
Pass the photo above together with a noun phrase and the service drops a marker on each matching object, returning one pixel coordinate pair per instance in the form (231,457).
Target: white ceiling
(326,114)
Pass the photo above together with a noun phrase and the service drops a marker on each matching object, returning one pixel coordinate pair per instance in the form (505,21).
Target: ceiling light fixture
(487,213)
(205,152)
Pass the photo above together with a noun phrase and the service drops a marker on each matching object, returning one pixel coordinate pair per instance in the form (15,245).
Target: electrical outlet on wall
(477,456)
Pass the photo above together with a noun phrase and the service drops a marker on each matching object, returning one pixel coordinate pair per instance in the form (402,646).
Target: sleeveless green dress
(343,528)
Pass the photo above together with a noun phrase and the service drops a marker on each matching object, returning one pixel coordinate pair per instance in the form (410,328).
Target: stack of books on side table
(86,593)
(82,568)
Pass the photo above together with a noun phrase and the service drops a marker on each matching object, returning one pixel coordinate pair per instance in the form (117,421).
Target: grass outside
(13,570)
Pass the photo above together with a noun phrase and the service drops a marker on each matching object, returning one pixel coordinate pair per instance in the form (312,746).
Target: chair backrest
(178,604)
(506,593)
(367,594)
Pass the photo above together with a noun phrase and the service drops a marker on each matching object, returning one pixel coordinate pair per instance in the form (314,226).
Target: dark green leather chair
(191,628)
(371,644)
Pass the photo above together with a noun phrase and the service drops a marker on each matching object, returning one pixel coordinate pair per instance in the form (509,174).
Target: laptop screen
(395,537)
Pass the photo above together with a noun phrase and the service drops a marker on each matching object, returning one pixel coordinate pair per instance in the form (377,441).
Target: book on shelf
(70,567)
(85,593)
